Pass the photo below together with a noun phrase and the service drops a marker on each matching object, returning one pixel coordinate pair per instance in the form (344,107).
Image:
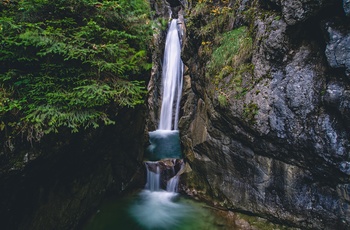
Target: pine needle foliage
(67,63)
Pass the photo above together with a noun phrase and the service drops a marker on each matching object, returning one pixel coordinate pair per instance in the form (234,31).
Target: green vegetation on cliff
(70,63)
(226,45)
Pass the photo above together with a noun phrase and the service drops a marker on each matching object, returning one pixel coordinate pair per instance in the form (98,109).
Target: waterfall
(158,208)
(172,184)
(171,80)
(153,178)
(165,141)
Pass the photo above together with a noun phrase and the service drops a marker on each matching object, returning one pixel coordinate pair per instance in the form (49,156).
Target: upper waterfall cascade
(171,79)
(165,141)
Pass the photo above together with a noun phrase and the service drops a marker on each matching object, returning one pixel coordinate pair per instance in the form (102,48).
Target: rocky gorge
(264,122)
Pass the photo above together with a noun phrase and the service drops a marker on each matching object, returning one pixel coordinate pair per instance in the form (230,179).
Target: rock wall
(267,132)
(58,182)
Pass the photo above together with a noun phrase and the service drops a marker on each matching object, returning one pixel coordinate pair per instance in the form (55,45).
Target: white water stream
(171,80)
(165,142)
(153,178)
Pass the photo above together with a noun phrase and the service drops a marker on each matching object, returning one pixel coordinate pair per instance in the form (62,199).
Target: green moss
(229,59)
(208,18)
(242,80)
(223,102)
(277,17)
(239,81)
(235,46)
(161,24)
(249,111)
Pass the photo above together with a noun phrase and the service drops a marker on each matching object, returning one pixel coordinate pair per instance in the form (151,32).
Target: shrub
(65,63)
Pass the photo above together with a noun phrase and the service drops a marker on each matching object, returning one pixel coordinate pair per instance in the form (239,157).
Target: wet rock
(344,191)
(71,174)
(174,3)
(346,6)
(290,161)
(338,46)
(295,11)
(337,97)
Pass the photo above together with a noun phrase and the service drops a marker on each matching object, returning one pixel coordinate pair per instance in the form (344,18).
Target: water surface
(156,210)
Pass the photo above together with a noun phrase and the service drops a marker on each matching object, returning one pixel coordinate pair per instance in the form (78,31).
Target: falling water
(172,184)
(171,80)
(166,213)
(165,142)
(153,178)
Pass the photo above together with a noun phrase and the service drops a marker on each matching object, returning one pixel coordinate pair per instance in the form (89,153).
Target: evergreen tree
(65,63)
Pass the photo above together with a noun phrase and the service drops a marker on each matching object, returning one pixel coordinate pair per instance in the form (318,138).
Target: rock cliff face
(58,182)
(265,123)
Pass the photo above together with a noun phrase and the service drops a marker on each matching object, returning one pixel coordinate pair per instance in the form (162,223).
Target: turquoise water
(164,144)
(156,210)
